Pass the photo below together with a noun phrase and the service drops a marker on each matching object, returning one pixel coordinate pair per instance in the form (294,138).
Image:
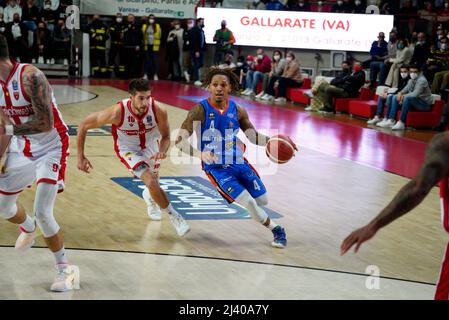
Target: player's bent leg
(151,180)
(262,200)
(15,213)
(67,277)
(248,202)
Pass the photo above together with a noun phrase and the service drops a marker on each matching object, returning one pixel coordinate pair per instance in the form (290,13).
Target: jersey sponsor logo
(150,119)
(211,115)
(18,111)
(195,198)
(16,95)
(231,115)
(136,132)
(15,85)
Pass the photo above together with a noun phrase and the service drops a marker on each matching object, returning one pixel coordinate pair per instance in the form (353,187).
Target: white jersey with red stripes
(136,133)
(16,105)
(442,290)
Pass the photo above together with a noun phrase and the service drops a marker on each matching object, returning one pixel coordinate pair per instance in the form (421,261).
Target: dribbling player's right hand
(84,165)
(209,157)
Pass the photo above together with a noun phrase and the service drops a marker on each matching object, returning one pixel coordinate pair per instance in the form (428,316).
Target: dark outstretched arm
(194,118)
(435,167)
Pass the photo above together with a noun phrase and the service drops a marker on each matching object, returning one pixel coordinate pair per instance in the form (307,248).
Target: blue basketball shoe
(280,237)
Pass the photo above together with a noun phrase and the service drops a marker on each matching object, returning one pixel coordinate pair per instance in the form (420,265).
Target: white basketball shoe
(67,278)
(153,210)
(26,239)
(179,223)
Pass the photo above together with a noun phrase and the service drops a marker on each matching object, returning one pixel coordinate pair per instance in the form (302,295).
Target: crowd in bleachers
(35,30)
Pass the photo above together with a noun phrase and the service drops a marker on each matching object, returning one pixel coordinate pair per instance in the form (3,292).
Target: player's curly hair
(213,71)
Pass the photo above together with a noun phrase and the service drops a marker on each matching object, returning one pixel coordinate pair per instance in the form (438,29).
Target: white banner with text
(302,30)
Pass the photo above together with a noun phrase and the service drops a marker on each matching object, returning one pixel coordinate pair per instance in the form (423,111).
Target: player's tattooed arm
(37,88)
(248,128)
(435,167)
(192,122)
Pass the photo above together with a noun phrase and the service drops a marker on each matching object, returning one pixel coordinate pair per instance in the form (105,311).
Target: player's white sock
(28,225)
(246,201)
(61,258)
(271,225)
(170,210)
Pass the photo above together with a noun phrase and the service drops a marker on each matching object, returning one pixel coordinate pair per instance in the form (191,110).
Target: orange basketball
(280,148)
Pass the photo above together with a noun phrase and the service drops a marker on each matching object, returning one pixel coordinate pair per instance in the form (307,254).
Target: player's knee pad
(8,209)
(248,202)
(262,200)
(43,209)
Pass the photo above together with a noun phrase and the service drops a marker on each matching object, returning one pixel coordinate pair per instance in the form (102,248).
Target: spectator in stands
(427,13)
(178,34)
(444,11)
(1,10)
(415,95)
(299,5)
(11,9)
(389,7)
(358,7)
(338,7)
(49,15)
(321,7)
(42,44)
(30,15)
(197,48)
(261,66)
(403,57)
(132,43)
(224,42)
(378,52)
(187,61)
(438,60)
(61,42)
(348,6)
(349,88)
(17,35)
(152,34)
(98,36)
(387,99)
(408,9)
(421,52)
(277,69)
(116,32)
(318,91)
(228,62)
(172,52)
(386,64)
(242,69)
(256,5)
(275,5)
(291,77)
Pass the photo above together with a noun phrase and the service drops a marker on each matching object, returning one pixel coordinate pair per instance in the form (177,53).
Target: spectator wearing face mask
(228,62)
(378,52)
(2,25)
(256,5)
(275,5)
(179,32)
(116,32)
(61,42)
(387,60)
(42,44)
(403,56)
(241,69)
(132,43)
(187,61)
(444,12)
(261,66)
(277,68)
(421,52)
(30,15)
(197,49)
(349,87)
(49,15)
(338,7)
(438,60)
(152,34)
(299,5)
(10,10)
(291,77)
(224,42)
(98,36)
(359,7)
(321,7)
(387,99)
(17,35)
(173,52)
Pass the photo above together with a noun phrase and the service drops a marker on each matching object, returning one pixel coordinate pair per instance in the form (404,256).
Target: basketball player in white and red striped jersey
(141,140)
(37,152)
(435,169)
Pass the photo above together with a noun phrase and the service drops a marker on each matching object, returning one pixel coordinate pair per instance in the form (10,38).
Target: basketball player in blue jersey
(222,158)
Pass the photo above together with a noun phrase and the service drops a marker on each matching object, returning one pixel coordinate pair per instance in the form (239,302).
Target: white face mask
(151,21)
(413,76)
(288,59)
(320,3)
(339,3)
(239,64)
(119,20)
(443,46)
(260,56)
(47,6)
(190,25)
(276,57)
(357,3)
(404,75)
(2,29)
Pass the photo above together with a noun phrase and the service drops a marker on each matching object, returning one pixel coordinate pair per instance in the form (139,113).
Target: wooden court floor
(321,198)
